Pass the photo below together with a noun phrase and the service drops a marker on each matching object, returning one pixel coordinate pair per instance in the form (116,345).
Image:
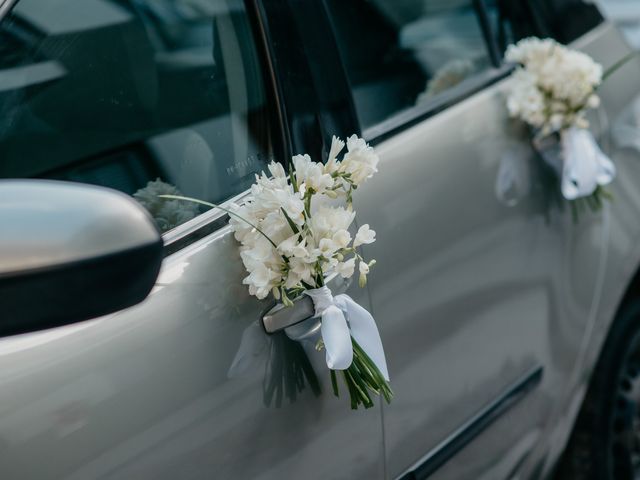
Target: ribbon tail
(585,164)
(365,331)
(336,338)
(580,170)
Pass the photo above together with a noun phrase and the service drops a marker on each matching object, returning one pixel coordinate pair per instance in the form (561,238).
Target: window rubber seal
(5,7)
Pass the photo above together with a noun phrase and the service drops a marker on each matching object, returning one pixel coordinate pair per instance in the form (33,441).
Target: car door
(485,286)
(152,97)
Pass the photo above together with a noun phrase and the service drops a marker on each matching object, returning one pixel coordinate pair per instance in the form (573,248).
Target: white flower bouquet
(552,90)
(293,237)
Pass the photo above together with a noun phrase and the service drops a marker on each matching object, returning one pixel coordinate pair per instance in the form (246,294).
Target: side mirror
(71,252)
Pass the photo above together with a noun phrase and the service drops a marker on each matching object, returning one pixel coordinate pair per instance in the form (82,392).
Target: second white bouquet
(552,91)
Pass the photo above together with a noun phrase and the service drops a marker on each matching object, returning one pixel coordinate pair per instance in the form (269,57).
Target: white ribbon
(336,332)
(585,166)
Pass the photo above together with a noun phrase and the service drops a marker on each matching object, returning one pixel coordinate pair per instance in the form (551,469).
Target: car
(130,347)
(626,15)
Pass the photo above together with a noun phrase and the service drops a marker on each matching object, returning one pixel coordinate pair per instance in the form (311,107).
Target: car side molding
(473,427)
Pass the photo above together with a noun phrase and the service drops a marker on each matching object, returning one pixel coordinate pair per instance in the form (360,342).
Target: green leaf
(293,226)
(334,383)
(292,178)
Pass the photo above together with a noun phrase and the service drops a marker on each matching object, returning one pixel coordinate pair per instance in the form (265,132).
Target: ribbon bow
(336,332)
(585,165)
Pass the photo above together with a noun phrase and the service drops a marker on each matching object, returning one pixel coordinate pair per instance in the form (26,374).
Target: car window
(144,96)
(399,53)
(563,20)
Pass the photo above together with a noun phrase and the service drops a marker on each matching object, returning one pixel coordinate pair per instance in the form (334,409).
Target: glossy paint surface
(480,282)
(51,223)
(153,392)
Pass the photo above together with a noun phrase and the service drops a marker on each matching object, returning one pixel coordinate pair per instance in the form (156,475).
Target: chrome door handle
(281,317)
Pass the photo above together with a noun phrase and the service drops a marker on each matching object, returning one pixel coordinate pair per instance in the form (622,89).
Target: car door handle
(280,317)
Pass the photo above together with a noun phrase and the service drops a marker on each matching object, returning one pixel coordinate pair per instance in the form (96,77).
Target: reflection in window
(450,75)
(136,95)
(397,52)
(562,20)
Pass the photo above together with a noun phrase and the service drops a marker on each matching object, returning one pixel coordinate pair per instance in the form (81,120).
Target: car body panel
(150,392)
(476,287)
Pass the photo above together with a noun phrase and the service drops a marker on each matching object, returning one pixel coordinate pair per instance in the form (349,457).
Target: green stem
(612,69)
(213,205)
(361,387)
(334,383)
(373,369)
(353,394)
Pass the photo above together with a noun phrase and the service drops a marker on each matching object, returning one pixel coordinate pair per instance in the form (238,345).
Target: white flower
(532,51)
(364,236)
(554,85)
(310,175)
(346,269)
(299,271)
(363,268)
(326,221)
(526,101)
(329,265)
(287,246)
(289,238)
(279,175)
(261,281)
(242,229)
(342,238)
(167,213)
(332,163)
(328,247)
(301,251)
(360,161)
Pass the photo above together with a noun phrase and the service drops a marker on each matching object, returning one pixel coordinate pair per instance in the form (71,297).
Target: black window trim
(6,6)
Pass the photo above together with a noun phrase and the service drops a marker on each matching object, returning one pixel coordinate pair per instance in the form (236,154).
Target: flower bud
(331,193)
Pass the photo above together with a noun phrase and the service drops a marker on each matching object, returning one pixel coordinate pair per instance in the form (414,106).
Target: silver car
(131,349)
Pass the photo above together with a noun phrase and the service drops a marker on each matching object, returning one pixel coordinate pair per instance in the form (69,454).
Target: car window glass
(398,53)
(144,96)
(563,20)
